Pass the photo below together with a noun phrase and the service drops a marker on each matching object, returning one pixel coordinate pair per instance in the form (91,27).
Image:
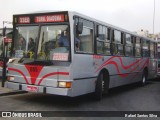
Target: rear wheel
(144,78)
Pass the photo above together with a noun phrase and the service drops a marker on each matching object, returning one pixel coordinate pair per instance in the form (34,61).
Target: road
(125,98)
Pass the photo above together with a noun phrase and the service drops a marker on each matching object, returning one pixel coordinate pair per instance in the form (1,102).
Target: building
(8,30)
(142,32)
(146,33)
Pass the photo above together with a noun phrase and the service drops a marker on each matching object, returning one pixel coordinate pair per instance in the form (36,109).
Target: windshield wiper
(22,58)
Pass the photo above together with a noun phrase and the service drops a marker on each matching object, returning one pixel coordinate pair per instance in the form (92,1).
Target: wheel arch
(105,74)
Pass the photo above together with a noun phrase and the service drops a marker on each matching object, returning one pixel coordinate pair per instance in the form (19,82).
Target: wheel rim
(102,82)
(144,79)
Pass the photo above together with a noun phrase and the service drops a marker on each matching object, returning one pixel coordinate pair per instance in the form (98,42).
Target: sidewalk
(5,91)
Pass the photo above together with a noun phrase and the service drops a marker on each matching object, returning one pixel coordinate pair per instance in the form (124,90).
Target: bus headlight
(11,60)
(10,78)
(64,84)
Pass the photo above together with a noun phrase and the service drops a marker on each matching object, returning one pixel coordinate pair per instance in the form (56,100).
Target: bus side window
(145,48)
(83,40)
(129,45)
(103,40)
(152,49)
(138,47)
(117,44)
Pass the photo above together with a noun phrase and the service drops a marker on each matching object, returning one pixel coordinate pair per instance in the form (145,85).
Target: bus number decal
(33,69)
(97,57)
(24,20)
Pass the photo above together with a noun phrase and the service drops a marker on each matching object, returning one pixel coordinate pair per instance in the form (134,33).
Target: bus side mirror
(79,27)
(4,31)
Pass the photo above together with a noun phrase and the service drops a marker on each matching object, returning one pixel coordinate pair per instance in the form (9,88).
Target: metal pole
(4,60)
(154,15)
(4,66)
(4,54)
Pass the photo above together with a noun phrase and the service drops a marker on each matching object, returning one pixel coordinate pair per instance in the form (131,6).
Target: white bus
(73,54)
(158,47)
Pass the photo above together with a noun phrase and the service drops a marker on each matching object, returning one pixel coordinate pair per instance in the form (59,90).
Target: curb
(13,93)
(10,92)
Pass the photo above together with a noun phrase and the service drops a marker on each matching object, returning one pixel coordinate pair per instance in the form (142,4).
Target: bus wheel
(144,78)
(99,87)
(102,86)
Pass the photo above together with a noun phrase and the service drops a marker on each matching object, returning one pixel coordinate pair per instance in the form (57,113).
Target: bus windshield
(46,42)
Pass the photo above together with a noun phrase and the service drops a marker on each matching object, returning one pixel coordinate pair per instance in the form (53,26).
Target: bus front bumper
(39,89)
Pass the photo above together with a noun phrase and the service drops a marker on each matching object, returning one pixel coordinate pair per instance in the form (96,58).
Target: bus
(158,47)
(97,56)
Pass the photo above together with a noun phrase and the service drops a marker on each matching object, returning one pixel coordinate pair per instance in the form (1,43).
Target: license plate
(32,88)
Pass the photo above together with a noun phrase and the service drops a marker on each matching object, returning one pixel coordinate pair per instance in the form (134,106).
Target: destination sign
(49,18)
(60,56)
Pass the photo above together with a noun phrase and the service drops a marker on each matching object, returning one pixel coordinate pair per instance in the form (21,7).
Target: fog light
(65,84)
(10,78)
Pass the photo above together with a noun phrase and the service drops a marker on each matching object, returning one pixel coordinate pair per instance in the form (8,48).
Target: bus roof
(88,18)
(112,26)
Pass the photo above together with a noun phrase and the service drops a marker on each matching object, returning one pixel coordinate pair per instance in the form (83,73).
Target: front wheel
(102,86)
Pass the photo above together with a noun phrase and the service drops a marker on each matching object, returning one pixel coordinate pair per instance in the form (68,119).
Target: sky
(132,15)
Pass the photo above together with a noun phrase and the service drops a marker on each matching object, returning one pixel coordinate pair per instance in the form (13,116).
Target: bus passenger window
(138,47)
(86,40)
(83,42)
(145,48)
(103,40)
(117,46)
(152,50)
(129,45)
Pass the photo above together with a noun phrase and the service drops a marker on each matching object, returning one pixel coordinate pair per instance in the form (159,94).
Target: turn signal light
(64,84)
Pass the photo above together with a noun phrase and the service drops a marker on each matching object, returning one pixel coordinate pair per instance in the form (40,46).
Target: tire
(102,86)
(144,78)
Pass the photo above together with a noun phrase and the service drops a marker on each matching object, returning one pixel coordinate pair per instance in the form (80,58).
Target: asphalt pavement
(125,98)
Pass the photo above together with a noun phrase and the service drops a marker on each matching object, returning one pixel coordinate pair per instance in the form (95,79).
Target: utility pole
(154,15)
(4,53)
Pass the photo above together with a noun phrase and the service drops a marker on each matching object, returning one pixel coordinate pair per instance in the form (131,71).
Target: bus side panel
(84,75)
(83,66)
(152,68)
(123,70)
